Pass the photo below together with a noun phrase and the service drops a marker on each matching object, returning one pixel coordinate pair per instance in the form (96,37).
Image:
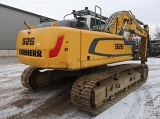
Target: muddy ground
(17,102)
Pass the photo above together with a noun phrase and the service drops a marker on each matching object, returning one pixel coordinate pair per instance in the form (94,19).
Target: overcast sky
(147,11)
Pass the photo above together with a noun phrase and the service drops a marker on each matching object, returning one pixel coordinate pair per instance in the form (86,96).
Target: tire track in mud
(57,106)
(149,86)
(9,96)
(17,105)
(148,105)
(150,110)
(76,114)
(156,112)
(154,68)
(9,81)
(12,73)
(133,113)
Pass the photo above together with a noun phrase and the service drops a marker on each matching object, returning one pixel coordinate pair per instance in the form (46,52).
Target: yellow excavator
(84,48)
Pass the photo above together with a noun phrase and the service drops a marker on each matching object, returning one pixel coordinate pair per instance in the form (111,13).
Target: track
(25,77)
(108,104)
(81,94)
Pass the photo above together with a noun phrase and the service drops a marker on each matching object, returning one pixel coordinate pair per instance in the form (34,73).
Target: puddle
(22,102)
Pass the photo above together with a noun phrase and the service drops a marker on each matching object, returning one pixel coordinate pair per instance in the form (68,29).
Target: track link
(30,76)
(82,90)
(26,75)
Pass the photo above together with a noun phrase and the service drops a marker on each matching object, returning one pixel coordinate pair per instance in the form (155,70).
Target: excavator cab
(83,19)
(93,20)
(80,22)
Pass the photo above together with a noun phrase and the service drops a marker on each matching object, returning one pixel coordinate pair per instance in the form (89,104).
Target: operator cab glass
(96,25)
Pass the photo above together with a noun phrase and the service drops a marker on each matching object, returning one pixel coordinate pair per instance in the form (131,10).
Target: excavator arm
(122,21)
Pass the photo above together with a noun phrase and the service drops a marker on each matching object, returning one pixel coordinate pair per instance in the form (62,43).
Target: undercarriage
(94,90)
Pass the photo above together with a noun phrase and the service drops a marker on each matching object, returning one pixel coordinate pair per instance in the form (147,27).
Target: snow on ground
(17,102)
(144,103)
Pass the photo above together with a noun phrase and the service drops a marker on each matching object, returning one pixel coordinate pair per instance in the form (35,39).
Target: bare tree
(157,32)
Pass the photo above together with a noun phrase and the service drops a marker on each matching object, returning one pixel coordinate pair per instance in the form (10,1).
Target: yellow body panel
(105,52)
(73,49)
(45,39)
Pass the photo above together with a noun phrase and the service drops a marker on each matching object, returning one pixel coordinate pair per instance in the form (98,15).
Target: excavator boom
(122,21)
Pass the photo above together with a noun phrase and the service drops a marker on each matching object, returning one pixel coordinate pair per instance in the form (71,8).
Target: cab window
(96,26)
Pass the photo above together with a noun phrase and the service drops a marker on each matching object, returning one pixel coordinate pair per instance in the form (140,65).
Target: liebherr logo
(34,53)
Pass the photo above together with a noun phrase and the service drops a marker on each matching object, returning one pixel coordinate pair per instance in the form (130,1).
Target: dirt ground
(17,102)
(8,60)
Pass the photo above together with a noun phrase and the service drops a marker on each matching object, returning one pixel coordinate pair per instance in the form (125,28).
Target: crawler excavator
(83,48)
